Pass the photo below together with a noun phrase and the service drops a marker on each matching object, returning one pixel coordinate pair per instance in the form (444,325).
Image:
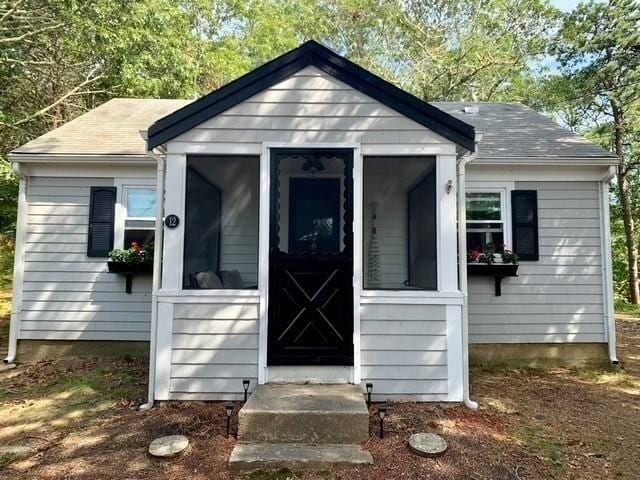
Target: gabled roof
(513,130)
(510,131)
(310,53)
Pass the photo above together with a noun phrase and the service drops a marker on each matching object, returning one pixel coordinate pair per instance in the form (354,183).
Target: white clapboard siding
(103,316)
(67,295)
(84,334)
(214,347)
(404,350)
(309,106)
(560,297)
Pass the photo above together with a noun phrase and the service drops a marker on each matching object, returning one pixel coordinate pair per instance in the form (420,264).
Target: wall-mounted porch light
(449,187)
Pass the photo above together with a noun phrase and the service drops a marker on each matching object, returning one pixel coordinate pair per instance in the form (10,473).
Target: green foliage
(456,50)
(597,93)
(622,306)
(6,259)
(135,255)
(63,58)
(8,199)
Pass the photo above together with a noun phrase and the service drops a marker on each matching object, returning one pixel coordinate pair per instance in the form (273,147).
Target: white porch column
(447,225)
(176,166)
(448,271)
(174,237)
(357,257)
(263,259)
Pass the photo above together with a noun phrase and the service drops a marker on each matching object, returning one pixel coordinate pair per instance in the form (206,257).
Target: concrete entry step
(247,457)
(307,414)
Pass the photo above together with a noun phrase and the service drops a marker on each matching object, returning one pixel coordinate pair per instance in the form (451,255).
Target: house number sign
(171,221)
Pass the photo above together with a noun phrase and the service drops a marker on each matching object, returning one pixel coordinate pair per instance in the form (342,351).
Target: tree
(598,47)
(59,59)
(480,51)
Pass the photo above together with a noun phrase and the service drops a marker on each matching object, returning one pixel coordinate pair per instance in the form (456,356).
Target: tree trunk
(625,203)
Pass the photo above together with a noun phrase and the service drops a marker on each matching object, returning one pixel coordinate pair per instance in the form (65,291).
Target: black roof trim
(310,53)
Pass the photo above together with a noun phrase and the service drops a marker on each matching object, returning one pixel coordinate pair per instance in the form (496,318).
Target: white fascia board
(483,172)
(576,161)
(69,158)
(89,170)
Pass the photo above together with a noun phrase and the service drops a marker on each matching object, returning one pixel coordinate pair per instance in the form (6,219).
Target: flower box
(496,270)
(492,269)
(129,270)
(132,268)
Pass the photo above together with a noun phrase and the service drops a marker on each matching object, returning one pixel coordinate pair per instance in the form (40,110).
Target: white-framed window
(488,220)
(135,213)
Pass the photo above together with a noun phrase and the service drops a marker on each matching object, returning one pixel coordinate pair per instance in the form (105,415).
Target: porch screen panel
(221,222)
(422,245)
(399,223)
(202,227)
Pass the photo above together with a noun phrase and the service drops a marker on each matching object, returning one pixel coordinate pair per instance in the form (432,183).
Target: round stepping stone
(427,444)
(167,447)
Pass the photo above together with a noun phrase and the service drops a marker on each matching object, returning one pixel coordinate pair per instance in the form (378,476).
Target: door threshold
(310,374)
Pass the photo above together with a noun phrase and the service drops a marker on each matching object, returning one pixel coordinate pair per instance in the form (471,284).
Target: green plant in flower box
(137,254)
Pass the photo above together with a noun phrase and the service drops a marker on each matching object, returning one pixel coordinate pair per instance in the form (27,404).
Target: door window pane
(314,215)
(311,202)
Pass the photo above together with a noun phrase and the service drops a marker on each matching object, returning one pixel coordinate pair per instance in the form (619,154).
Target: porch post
(448,272)
(173,237)
(357,257)
(446,229)
(263,259)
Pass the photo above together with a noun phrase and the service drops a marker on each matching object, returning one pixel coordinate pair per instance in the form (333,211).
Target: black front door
(311,258)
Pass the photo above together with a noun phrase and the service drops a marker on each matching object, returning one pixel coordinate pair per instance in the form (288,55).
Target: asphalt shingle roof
(509,130)
(512,130)
(113,128)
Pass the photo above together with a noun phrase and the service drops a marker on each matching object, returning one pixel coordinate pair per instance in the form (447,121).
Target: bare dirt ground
(79,416)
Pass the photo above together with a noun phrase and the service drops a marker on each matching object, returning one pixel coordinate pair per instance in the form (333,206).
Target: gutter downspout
(18,265)
(462,270)
(157,275)
(607,270)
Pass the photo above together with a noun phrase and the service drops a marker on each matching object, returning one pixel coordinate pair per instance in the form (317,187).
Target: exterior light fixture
(245,385)
(382,412)
(449,186)
(228,408)
(369,390)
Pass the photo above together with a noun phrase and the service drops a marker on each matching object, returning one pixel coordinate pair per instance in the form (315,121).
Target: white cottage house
(307,221)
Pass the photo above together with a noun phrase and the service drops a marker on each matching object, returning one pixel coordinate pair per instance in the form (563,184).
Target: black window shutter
(101,218)
(524,214)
